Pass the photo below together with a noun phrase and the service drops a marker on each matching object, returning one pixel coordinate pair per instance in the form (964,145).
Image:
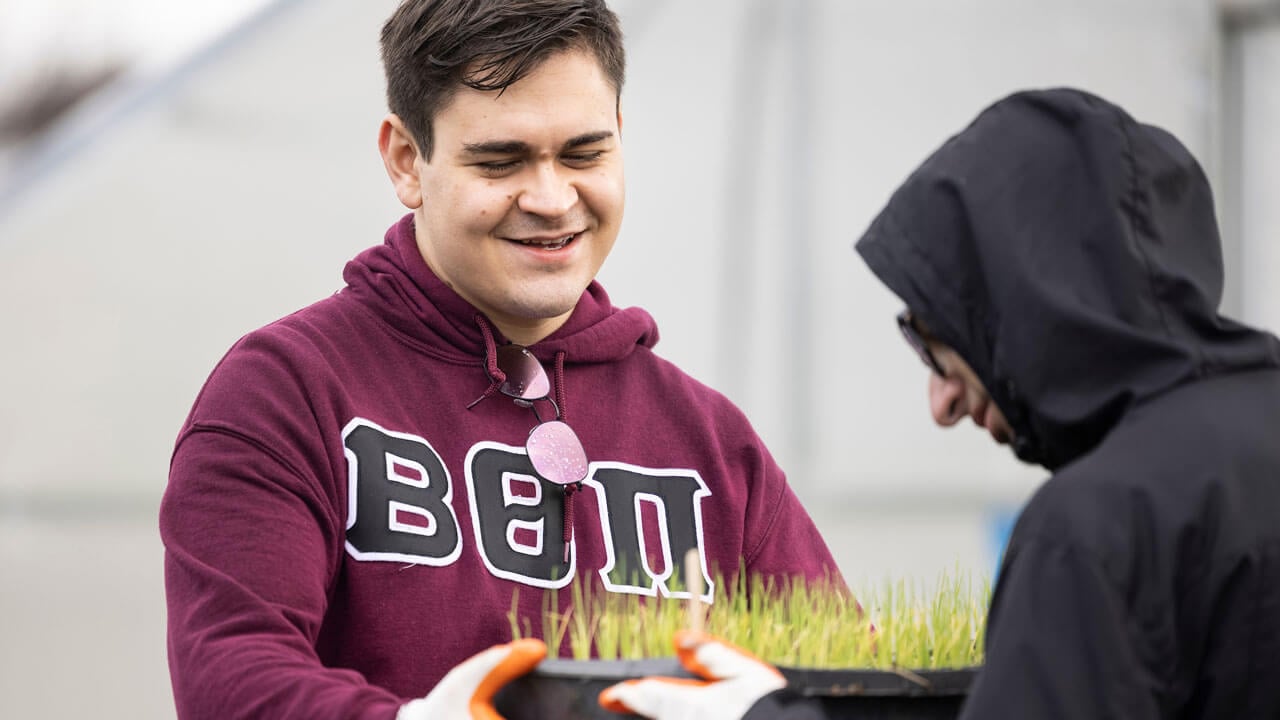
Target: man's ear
(400,156)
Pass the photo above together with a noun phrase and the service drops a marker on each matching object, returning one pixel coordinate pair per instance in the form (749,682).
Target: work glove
(734,680)
(466,692)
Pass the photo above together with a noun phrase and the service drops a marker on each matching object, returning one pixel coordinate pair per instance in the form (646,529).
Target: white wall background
(187,207)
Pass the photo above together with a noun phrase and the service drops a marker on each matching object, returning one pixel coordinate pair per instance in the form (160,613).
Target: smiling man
(520,198)
(366,488)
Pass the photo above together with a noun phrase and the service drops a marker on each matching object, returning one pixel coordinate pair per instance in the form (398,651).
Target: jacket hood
(1071,256)
(395,282)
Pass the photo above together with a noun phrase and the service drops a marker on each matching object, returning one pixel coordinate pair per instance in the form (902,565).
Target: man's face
(958,393)
(954,389)
(522,199)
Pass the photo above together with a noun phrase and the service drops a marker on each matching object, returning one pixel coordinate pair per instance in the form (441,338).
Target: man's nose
(946,399)
(550,192)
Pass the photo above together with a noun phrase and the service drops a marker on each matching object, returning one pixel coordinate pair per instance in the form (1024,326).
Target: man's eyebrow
(588,139)
(519,147)
(496,147)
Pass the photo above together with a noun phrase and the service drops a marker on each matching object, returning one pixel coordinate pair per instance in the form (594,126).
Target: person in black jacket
(1062,271)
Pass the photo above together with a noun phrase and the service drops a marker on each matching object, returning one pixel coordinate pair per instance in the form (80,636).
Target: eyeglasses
(906,323)
(553,447)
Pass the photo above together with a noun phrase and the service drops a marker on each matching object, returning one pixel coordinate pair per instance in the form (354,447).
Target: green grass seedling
(899,625)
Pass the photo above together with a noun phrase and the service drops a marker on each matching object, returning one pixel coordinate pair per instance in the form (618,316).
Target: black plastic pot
(567,690)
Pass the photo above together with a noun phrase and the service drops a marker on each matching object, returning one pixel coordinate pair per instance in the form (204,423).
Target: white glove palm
(735,680)
(466,692)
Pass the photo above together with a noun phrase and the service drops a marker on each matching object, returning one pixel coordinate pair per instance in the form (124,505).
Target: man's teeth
(553,245)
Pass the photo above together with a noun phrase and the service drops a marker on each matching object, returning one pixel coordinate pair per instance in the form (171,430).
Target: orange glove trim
(688,642)
(524,656)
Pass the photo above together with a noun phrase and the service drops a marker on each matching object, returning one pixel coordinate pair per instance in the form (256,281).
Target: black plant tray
(562,689)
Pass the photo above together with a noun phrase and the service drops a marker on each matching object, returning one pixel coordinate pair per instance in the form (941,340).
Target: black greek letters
(677,496)
(398,498)
(517,516)
(400,509)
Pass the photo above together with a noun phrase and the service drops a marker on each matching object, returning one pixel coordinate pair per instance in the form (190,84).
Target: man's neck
(528,332)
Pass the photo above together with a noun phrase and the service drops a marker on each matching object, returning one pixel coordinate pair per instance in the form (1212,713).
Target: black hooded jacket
(1070,255)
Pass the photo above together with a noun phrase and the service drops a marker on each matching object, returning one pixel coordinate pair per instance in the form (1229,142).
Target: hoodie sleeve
(1059,643)
(247,566)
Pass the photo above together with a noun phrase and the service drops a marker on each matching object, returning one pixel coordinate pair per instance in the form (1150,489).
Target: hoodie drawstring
(496,376)
(569,490)
(559,374)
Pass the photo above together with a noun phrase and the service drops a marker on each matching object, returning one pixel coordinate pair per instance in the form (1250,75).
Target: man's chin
(537,312)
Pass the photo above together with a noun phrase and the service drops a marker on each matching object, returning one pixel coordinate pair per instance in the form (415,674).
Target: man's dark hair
(431,48)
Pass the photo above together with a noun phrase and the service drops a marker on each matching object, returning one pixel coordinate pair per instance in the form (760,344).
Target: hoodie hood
(1071,256)
(395,282)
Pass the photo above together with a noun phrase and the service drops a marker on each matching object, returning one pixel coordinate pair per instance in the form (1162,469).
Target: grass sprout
(900,624)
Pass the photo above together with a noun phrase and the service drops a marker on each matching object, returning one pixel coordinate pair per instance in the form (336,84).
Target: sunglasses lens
(525,377)
(556,453)
(554,448)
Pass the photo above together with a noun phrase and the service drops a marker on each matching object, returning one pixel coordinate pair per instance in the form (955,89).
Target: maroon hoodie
(340,529)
